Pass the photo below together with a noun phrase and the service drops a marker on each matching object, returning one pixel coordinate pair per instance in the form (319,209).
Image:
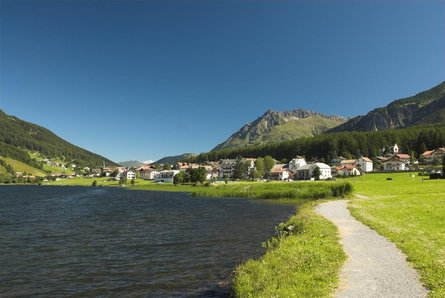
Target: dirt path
(375,267)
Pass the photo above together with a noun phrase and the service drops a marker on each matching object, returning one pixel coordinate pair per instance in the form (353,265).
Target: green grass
(303,264)
(276,190)
(411,213)
(3,170)
(19,166)
(52,169)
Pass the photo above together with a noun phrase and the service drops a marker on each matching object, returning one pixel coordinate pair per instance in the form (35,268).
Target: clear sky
(145,79)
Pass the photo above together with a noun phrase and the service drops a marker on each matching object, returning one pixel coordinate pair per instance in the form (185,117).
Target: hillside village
(297,169)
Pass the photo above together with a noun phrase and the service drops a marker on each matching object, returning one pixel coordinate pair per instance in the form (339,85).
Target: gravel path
(375,267)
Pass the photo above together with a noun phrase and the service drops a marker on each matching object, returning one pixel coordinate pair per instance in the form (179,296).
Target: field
(411,213)
(22,167)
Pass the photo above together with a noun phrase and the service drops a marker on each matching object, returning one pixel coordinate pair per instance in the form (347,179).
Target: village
(296,169)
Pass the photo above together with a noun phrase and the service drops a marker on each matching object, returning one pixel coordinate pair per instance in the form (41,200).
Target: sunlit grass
(411,213)
(19,166)
(304,264)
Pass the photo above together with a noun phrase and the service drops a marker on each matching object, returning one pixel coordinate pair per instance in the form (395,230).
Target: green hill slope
(281,126)
(19,166)
(18,137)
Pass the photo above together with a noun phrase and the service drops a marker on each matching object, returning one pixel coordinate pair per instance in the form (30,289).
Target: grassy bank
(411,213)
(304,263)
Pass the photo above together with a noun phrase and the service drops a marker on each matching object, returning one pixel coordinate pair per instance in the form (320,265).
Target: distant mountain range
(19,138)
(423,108)
(281,126)
(131,163)
(175,158)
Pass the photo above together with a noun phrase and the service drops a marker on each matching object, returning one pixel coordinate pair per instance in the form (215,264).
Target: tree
(157,166)
(316,173)
(198,175)
(115,172)
(412,158)
(226,179)
(94,184)
(133,181)
(259,166)
(241,168)
(167,166)
(181,177)
(269,162)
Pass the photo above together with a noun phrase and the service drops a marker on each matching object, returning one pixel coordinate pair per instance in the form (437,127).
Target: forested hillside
(423,108)
(18,137)
(415,140)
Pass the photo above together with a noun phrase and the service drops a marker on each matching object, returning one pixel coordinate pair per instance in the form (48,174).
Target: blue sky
(145,79)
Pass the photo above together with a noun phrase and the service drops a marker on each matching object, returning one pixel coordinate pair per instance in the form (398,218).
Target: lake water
(83,241)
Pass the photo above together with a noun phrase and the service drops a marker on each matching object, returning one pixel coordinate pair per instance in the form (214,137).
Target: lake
(84,241)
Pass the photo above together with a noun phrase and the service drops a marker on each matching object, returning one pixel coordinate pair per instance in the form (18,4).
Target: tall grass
(278,190)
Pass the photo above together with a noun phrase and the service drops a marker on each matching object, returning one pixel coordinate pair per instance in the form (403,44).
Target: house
(430,156)
(364,164)
(227,167)
(296,163)
(348,162)
(348,170)
(394,164)
(148,174)
(166,176)
(127,175)
(404,157)
(337,160)
(427,156)
(306,172)
(280,172)
(250,164)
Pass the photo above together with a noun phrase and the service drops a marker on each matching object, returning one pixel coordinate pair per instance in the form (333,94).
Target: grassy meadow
(411,213)
(19,166)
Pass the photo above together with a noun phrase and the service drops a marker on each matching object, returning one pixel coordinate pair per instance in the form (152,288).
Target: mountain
(175,159)
(131,163)
(423,108)
(280,126)
(148,162)
(19,138)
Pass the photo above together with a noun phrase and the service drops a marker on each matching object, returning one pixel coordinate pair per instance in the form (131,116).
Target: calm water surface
(81,241)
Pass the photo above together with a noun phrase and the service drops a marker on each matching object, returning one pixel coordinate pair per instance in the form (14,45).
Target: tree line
(413,140)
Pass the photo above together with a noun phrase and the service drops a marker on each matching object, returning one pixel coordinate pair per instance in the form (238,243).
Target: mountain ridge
(422,108)
(275,126)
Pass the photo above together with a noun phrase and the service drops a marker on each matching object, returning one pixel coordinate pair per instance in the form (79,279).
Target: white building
(365,164)
(148,174)
(296,163)
(278,172)
(131,174)
(306,172)
(394,149)
(227,167)
(394,164)
(166,176)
